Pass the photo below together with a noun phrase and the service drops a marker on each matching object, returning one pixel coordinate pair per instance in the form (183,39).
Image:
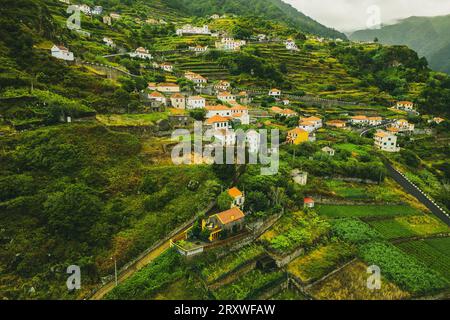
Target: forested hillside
(426,35)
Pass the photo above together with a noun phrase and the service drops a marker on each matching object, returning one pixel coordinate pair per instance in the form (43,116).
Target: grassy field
(350,283)
(320,261)
(434,253)
(131,120)
(349,211)
(408,226)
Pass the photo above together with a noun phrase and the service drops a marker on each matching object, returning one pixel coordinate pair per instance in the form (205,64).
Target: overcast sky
(351,15)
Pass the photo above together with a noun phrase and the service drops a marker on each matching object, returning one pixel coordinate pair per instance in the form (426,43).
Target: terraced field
(366,211)
(435,253)
(189,62)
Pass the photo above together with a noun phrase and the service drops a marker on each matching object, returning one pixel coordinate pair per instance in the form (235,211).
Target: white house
(218,123)
(226,97)
(109,42)
(215,17)
(157,96)
(307,126)
(359,120)
(218,110)
(237,196)
(196,102)
(141,53)
(168,87)
(166,67)
(115,16)
(98,10)
(178,101)
(386,141)
(275,92)
(290,45)
(229,44)
(374,121)
(405,105)
(199,80)
(316,122)
(222,85)
(329,151)
(107,20)
(253,141)
(403,125)
(240,113)
(198,48)
(62,53)
(188,29)
(299,177)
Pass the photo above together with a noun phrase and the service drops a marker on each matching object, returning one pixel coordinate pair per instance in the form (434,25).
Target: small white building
(107,20)
(299,177)
(98,10)
(109,42)
(199,80)
(405,105)
(386,141)
(62,53)
(359,120)
(315,121)
(374,121)
(141,53)
(226,97)
(115,16)
(229,44)
(166,67)
(275,92)
(157,96)
(307,126)
(218,123)
(222,85)
(237,196)
(167,87)
(218,110)
(329,151)
(196,102)
(178,101)
(215,17)
(240,113)
(291,45)
(189,29)
(253,141)
(198,48)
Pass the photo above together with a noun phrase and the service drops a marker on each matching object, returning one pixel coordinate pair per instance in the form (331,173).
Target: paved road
(412,189)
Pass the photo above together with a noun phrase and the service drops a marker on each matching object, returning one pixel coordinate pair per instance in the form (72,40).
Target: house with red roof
(308,202)
(230,221)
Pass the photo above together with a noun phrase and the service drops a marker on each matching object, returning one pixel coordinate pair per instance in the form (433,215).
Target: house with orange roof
(199,80)
(308,202)
(141,53)
(276,110)
(403,125)
(240,113)
(178,101)
(222,85)
(244,97)
(359,120)
(297,136)
(230,221)
(436,120)
(307,126)
(374,121)
(218,122)
(237,196)
(226,97)
(336,123)
(404,105)
(157,96)
(217,110)
(195,102)
(166,67)
(169,87)
(317,122)
(386,141)
(288,113)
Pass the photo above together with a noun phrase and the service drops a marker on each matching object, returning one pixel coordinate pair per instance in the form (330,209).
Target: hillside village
(223,231)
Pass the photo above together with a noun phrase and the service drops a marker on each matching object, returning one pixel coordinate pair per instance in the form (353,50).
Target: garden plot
(409,226)
(294,230)
(320,261)
(366,211)
(434,253)
(350,283)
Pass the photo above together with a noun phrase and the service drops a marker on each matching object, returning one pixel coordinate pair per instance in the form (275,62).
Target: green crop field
(435,253)
(408,226)
(347,211)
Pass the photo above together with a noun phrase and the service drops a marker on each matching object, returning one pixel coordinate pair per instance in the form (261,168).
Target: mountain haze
(429,36)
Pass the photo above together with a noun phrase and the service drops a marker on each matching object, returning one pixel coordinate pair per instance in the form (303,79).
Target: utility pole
(115,269)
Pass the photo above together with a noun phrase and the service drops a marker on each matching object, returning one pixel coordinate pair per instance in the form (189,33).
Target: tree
(224,201)
(198,114)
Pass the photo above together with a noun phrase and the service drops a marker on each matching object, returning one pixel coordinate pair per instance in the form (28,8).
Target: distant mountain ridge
(268,9)
(429,36)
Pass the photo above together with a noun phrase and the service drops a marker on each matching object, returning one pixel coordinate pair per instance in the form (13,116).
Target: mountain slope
(267,9)
(426,35)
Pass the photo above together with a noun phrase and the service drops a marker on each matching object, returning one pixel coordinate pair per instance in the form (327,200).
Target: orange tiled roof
(216,119)
(311,119)
(156,94)
(359,118)
(230,215)
(217,108)
(234,192)
(177,96)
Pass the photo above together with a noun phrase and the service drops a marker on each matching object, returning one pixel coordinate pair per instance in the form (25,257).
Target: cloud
(350,15)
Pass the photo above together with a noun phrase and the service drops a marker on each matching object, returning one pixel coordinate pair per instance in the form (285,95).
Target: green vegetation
(433,253)
(249,285)
(401,227)
(355,211)
(402,269)
(353,231)
(320,261)
(231,262)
